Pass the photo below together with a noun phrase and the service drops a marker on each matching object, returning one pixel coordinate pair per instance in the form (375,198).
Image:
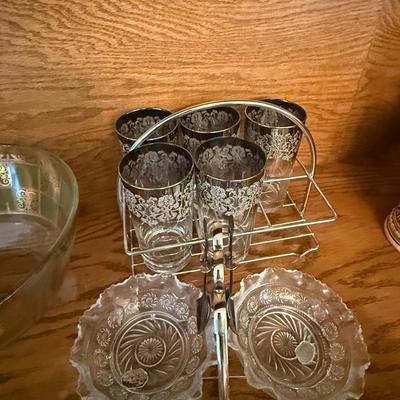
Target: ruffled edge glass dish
(113,335)
(297,339)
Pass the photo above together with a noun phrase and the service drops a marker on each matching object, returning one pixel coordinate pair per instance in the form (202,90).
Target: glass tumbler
(131,125)
(157,180)
(280,138)
(229,173)
(200,126)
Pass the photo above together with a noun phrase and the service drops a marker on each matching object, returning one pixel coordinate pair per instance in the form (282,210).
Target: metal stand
(220,320)
(288,229)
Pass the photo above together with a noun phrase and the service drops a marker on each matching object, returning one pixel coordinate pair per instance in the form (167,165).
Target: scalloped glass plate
(140,342)
(297,339)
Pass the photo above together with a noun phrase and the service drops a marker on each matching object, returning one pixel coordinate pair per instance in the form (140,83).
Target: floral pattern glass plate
(297,339)
(140,342)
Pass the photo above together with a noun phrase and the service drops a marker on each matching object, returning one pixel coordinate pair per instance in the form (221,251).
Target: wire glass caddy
(275,235)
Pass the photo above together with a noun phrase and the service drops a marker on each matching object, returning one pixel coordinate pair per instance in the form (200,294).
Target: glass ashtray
(297,339)
(140,342)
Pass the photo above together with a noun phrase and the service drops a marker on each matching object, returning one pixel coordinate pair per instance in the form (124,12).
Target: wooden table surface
(355,259)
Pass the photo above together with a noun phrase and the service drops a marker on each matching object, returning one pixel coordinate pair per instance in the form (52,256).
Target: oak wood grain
(68,69)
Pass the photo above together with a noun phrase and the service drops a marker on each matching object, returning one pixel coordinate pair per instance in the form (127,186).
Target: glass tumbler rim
(301,113)
(217,131)
(232,140)
(156,146)
(121,118)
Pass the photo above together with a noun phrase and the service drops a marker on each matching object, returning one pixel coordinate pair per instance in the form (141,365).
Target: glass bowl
(38,204)
(297,339)
(140,342)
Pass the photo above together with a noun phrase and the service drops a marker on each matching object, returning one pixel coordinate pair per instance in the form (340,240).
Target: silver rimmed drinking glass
(280,138)
(131,125)
(200,126)
(229,173)
(158,191)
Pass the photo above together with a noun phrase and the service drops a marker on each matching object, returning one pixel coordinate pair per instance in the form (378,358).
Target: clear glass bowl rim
(26,150)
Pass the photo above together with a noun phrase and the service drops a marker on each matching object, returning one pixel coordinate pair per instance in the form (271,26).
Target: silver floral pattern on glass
(153,353)
(286,350)
(210,120)
(124,147)
(278,145)
(275,133)
(190,143)
(155,210)
(151,168)
(27,200)
(131,125)
(200,126)
(136,127)
(5,177)
(229,201)
(229,156)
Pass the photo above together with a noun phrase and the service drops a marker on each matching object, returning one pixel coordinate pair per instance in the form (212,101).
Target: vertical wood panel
(374,121)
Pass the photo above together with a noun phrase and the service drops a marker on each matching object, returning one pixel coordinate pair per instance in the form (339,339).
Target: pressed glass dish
(297,339)
(140,342)
(38,204)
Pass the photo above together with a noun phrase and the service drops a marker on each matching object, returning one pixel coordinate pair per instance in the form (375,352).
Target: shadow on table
(376,147)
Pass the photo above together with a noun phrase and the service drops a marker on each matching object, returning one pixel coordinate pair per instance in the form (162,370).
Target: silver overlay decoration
(210,120)
(199,126)
(27,200)
(229,201)
(155,210)
(153,168)
(190,143)
(5,177)
(229,157)
(279,144)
